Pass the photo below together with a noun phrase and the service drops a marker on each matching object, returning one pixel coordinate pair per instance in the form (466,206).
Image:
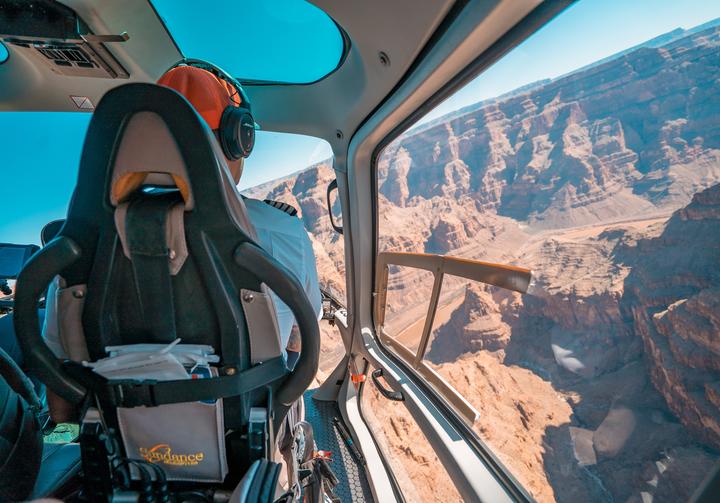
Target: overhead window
(288,41)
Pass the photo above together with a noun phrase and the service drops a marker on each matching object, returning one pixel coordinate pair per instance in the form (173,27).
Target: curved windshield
(289,41)
(37,185)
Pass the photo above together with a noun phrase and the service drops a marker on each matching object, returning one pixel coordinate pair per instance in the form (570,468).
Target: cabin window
(594,160)
(297,170)
(418,472)
(287,41)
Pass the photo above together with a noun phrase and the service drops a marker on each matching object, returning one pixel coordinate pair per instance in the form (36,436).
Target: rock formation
(476,325)
(629,136)
(673,295)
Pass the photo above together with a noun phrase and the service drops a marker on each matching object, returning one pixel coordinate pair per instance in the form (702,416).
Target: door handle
(333,186)
(395,396)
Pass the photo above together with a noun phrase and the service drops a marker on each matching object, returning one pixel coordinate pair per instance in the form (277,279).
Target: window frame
(539,17)
(502,276)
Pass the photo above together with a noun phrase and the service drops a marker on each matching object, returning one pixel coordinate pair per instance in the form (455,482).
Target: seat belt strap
(149,393)
(145,228)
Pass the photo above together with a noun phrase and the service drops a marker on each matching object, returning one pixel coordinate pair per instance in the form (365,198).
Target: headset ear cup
(247,133)
(237,133)
(228,134)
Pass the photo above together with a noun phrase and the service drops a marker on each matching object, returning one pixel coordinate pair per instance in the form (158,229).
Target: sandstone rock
(672,296)
(613,433)
(629,136)
(476,325)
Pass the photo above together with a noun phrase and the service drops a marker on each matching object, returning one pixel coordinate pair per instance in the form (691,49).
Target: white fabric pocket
(187,440)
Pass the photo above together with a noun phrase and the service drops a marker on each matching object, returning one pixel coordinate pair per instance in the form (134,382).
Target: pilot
(279,233)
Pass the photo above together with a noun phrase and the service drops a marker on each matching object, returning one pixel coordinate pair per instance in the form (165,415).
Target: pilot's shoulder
(267,211)
(284,207)
(268,206)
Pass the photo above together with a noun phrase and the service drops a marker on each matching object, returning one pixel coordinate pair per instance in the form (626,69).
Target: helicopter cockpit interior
(423,251)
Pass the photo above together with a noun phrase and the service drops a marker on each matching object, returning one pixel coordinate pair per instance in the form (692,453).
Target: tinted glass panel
(280,40)
(12,259)
(595,162)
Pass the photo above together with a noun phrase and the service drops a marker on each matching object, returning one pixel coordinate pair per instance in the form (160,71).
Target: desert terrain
(603,384)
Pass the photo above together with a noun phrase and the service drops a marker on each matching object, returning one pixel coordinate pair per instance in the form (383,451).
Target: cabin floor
(353,484)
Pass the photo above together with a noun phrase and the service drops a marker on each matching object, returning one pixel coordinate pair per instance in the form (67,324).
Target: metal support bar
(503,276)
(430,318)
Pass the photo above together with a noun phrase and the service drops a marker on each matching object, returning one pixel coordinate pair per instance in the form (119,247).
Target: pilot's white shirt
(285,238)
(281,235)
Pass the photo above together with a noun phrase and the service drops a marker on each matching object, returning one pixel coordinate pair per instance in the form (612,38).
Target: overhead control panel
(53,35)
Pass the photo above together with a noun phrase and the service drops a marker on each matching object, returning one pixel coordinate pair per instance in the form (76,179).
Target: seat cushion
(60,463)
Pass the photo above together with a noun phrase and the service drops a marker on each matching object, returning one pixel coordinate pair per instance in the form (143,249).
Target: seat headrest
(148,154)
(147,134)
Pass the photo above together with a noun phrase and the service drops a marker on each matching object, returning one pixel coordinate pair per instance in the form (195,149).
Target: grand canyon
(603,384)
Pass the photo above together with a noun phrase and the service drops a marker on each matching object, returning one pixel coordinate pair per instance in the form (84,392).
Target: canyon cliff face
(624,332)
(634,135)
(673,297)
(604,385)
(476,325)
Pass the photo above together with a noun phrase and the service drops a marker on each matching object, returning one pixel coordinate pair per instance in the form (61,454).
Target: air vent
(66,56)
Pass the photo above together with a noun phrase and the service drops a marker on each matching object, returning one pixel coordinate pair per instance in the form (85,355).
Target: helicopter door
(481,386)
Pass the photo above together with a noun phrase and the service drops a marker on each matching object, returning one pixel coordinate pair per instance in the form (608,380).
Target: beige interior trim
(262,326)
(503,276)
(458,402)
(148,146)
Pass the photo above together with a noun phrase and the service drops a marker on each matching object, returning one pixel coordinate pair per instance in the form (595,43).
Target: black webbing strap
(128,393)
(145,230)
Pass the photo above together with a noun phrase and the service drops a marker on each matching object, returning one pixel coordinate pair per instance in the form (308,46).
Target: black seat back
(204,294)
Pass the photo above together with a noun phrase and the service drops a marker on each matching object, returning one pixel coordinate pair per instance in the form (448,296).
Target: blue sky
(276,37)
(40,151)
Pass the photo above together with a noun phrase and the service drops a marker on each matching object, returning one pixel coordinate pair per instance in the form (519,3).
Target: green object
(63,433)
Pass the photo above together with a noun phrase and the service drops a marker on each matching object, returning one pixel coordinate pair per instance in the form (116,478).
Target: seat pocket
(185,439)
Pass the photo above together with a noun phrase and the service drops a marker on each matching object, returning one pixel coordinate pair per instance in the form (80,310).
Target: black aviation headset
(237,125)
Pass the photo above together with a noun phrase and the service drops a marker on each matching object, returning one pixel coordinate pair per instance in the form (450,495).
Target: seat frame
(223,260)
